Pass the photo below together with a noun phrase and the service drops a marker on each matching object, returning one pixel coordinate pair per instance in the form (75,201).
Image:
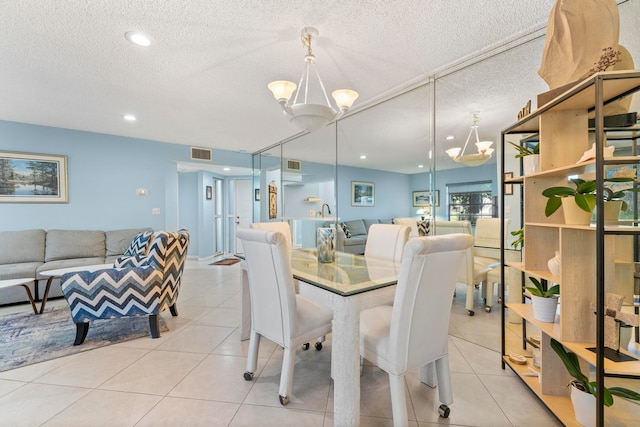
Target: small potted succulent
(544,302)
(583,391)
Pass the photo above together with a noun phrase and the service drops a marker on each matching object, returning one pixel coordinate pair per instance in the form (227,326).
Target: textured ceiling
(203,80)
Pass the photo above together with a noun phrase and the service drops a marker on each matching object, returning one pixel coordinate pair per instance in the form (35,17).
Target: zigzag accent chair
(139,285)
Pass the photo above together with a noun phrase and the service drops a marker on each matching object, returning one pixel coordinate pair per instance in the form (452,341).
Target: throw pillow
(139,244)
(347,233)
(424,227)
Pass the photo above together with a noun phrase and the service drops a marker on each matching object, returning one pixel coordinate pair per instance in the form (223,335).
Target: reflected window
(470,201)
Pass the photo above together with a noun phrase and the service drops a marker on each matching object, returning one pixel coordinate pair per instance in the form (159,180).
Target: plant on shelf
(545,302)
(582,383)
(583,195)
(524,151)
(519,235)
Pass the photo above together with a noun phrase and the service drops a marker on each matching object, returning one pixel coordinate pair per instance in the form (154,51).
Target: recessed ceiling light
(226,169)
(420,166)
(137,38)
(363,157)
(450,137)
(129,117)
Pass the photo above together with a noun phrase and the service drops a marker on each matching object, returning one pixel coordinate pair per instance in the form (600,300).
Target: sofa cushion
(369,222)
(22,246)
(386,221)
(120,241)
(345,229)
(18,271)
(356,227)
(423,227)
(356,240)
(70,244)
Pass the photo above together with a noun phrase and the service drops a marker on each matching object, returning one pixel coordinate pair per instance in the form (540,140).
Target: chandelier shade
(303,114)
(484,148)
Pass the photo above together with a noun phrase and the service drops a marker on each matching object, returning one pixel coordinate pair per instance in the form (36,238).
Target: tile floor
(192,375)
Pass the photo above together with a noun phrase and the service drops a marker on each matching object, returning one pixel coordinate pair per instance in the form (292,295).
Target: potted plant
(585,200)
(530,157)
(519,242)
(583,391)
(544,302)
(614,201)
(578,211)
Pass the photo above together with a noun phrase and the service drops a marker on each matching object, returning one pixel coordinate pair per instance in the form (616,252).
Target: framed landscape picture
(33,178)
(424,198)
(362,193)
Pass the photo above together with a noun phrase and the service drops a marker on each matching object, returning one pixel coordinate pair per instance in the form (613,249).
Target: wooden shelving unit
(595,259)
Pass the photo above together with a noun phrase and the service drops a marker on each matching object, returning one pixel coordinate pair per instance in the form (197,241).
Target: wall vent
(294,165)
(200,153)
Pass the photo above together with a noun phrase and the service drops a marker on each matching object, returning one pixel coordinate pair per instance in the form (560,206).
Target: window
(470,201)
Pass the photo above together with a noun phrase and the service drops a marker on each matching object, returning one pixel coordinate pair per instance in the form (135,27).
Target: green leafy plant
(519,235)
(580,380)
(523,150)
(539,291)
(583,195)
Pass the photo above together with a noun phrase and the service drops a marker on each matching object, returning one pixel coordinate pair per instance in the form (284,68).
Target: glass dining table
(348,285)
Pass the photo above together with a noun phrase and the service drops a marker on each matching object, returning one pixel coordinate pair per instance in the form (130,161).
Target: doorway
(218,218)
(243,208)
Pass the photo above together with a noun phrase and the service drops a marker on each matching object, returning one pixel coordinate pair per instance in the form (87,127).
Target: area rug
(26,338)
(226,261)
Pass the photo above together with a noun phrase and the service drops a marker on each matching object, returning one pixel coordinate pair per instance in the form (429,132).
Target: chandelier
(484,148)
(301,112)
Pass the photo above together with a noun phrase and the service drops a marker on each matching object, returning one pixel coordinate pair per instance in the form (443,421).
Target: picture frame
(209,192)
(33,178)
(508,188)
(363,193)
(256,195)
(425,198)
(273,200)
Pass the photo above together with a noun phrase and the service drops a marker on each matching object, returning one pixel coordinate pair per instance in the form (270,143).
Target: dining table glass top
(348,275)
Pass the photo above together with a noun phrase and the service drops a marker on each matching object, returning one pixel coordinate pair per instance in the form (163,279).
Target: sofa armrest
(340,236)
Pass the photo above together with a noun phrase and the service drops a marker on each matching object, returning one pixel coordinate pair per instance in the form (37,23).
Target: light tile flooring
(192,375)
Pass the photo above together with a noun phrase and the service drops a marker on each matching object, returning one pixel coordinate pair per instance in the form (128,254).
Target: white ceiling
(202,82)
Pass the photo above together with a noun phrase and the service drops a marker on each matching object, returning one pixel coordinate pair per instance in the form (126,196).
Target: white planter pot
(531,164)
(573,214)
(554,264)
(544,309)
(584,407)
(612,211)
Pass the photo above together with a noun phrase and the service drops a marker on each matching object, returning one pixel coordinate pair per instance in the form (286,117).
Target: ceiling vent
(200,153)
(293,165)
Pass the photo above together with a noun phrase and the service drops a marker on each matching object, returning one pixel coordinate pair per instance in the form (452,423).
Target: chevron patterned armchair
(144,282)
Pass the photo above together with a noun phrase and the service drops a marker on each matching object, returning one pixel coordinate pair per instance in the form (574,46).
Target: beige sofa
(26,253)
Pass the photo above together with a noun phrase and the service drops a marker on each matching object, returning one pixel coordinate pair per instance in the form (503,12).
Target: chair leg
(252,356)
(286,376)
(154,325)
(174,310)
(82,328)
(469,300)
(445,391)
(398,401)
(427,375)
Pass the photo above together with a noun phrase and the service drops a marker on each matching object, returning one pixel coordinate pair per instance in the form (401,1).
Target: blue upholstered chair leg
(82,328)
(174,310)
(154,325)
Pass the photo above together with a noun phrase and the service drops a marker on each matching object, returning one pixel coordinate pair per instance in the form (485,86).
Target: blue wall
(104,172)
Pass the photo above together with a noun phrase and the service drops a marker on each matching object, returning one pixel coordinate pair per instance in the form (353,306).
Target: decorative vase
(544,309)
(584,407)
(554,264)
(325,244)
(573,214)
(531,164)
(612,210)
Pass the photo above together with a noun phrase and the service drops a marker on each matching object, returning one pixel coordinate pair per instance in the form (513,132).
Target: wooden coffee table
(7,283)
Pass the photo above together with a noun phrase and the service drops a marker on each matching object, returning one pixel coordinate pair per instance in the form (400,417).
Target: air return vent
(293,165)
(200,153)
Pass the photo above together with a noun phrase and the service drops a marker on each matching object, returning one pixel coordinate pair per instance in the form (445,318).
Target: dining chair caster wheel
(318,346)
(471,312)
(444,411)
(248,376)
(305,346)
(284,400)
(499,300)
(487,309)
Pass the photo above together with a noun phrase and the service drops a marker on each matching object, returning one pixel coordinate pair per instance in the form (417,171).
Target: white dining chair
(277,312)
(282,227)
(413,332)
(386,241)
